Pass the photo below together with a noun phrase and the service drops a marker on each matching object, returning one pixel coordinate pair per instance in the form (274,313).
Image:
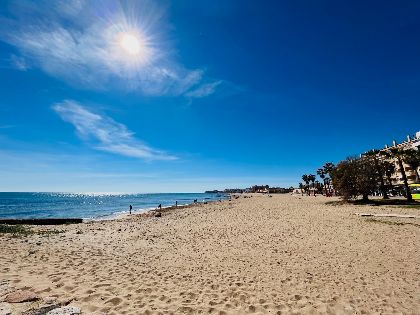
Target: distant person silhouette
(160,206)
(176,203)
(131,208)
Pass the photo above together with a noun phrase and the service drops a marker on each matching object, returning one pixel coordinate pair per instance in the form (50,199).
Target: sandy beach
(262,255)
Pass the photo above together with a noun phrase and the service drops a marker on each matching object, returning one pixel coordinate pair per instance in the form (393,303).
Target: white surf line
(388,215)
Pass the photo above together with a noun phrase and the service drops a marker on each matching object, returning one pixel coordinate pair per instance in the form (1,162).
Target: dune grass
(391,222)
(15,229)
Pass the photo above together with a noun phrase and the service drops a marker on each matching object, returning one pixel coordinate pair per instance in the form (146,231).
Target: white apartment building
(412,142)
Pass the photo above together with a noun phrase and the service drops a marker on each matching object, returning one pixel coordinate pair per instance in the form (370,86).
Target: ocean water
(24,205)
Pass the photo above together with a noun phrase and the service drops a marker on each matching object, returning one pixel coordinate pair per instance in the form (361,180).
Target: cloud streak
(78,42)
(18,63)
(105,133)
(203,90)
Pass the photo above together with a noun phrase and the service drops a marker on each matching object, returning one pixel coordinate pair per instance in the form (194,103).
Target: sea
(90,206)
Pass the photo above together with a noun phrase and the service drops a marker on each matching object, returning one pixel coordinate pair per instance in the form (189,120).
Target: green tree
(374,156)
(326,173)
(354,177)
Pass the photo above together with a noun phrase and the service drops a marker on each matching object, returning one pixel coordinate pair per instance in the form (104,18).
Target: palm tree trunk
(325,187)
(404,176)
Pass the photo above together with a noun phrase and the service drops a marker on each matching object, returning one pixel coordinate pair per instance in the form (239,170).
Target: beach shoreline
(148,212)
(278,254)
(89,206)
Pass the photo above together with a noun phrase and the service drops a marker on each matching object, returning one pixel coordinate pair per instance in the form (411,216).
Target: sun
(131,44)
(131,47)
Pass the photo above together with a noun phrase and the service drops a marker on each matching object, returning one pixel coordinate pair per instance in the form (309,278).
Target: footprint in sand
(68,288)
(114,301)
(90,298)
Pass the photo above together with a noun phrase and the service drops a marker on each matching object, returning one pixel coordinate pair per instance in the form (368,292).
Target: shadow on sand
(377,202)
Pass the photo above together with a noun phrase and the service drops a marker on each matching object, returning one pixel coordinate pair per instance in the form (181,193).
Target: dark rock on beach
(20,296)
(43,310)
(67,310)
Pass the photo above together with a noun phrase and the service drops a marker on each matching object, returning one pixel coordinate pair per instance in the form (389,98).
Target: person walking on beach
(131,208)
(160,206)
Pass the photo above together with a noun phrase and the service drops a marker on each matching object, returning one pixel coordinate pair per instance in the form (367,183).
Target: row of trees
(365,175)
(312,184)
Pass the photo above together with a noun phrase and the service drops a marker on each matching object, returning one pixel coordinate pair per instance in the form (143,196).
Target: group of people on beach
(158,207)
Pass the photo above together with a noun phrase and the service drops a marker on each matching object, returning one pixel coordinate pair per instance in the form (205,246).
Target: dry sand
(279,255)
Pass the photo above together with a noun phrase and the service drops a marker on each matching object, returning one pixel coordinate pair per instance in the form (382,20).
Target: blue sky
(215,94)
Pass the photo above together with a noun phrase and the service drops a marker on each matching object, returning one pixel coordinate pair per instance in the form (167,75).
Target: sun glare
(130,47)
(131,44)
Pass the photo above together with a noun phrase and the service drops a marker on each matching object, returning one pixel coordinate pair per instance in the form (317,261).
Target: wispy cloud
(18,63)
(79,42)
(203,90)
(105,133)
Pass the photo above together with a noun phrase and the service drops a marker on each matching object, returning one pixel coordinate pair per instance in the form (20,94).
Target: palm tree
(321,173)
(328,186)
(400,155)
(301,186)
(412,158)
(373,154)
(318,186)
(312,179)
(329,168)
(305,178)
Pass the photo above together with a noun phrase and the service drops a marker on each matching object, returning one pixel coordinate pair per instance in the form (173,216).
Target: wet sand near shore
(260,255)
